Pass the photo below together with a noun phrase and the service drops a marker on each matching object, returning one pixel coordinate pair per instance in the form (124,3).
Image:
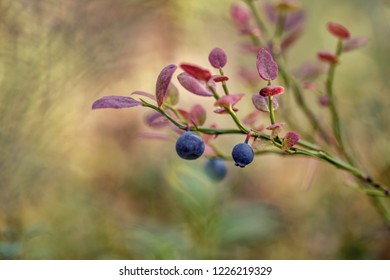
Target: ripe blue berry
(216,168)
(190,145)
(242,154)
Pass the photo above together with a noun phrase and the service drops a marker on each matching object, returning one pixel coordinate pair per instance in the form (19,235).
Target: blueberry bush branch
(196,139)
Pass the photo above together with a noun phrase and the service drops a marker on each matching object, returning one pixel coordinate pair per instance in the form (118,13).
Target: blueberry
(216,168)
(189,145)
(242,154)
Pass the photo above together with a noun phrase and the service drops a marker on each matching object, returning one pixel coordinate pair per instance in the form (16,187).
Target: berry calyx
(216,168)
(190,145)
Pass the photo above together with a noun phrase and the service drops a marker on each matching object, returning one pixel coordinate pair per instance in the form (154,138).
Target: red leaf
(338,30)
(197,72)
(327,57)
(217,58)
(185,114)
(229,100)
(290,139)
(266,65)
(163,80)
(115,102)
(193,85)
(219,78)
(271,91)
(197,115)
(354,43)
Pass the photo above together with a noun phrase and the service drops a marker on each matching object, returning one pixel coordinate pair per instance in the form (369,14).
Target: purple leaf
(163,80)
(115,102)
(261,102)
(295,20)
(266,65)
(142,93)
(354,43)
(156,120)
(217,58)
(193,85)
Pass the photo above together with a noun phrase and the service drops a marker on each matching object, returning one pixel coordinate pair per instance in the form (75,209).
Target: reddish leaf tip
(196,71)
(327,57)
(338,30)
(271,91)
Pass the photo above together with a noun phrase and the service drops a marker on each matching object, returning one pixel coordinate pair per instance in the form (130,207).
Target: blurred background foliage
(82,184)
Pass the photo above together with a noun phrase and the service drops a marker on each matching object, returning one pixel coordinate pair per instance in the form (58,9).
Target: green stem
(271,110)
(231,112)
(336,126)
(257,18)
(301,102)
(224,86)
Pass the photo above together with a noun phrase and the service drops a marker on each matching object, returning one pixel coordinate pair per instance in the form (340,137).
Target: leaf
(196,71)
(327,57)
(266,65)
(142,93)
(276,129)
(219,78)
(197,115)
(162,83)
(291,38)
(354,43)
(295,20)
(156,120)
(241,15)
(271,91)
(338,30)
(290,139)
(261,102)
(172,95)
(222,110)
(193,85)
(217,58)
(115,102)
(229,100)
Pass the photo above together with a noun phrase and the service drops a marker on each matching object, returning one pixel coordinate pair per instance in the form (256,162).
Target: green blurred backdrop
(82,184)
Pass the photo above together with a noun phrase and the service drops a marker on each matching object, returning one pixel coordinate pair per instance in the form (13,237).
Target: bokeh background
(83,184)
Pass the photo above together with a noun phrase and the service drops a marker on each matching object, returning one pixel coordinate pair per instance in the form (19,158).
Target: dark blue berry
(189,145)
(242,154)
(216,168)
